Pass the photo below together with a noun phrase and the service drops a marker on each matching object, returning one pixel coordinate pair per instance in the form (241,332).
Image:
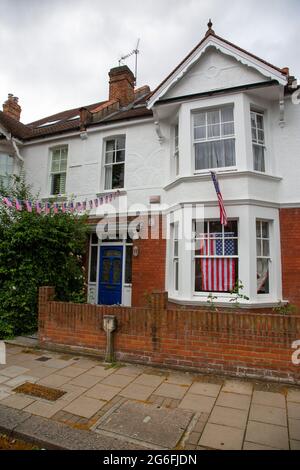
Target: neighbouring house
(221,109)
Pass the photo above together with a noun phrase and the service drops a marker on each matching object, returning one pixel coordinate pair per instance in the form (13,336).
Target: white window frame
(58,172)
(213,139)
(195,257)
(261,256)
(175,258)
(114,162)
(9,168)
(256,142)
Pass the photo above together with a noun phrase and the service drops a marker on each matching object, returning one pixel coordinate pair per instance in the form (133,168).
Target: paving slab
(219,437)
(85,380)
(171,390)
(268,414)
(4,394)
(41,371)
(253,446)
(234,400)
(84,406)
(162,427)
(237,386)
(136,391)
(207,389)
(55,363)
(72,392)
(149,380)
(117,380)
(295,445)
(103,392)
(21,379)
(71,371)
(293,395)
(229,417)
(294,427)
(132,371)
(198,403)
(293,410)
(3,378)
(179,379)
(17,401)
(13,371)
(268,399)
(101,371)
(267,434)
(54,380)
(45,408)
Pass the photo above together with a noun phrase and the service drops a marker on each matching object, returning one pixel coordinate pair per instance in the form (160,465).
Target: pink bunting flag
(28,206)
(38,207)
(7,201)
(18,205)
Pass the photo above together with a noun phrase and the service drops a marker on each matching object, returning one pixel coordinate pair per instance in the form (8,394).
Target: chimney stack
(12,108)
(121,85)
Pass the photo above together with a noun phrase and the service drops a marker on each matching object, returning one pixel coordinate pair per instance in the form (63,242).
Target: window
(93,257)
(258,140)
(214,140)
(175,254)
(58,174)
(176,150)
(114,163)
(215,256)
(6,168)
(262,257)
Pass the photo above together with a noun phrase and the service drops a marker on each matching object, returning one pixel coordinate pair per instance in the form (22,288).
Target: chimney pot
(11,107)
(121,85)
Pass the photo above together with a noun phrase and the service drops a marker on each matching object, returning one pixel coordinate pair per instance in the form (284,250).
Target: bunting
(55,207)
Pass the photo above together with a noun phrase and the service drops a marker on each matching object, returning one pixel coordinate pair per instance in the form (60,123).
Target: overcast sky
(55,54)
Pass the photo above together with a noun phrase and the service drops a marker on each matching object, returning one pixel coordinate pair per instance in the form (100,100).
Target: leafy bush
(37,250)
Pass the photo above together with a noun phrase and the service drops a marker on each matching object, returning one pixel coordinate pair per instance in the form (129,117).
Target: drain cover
(43,359)
(39,391)
(148,423)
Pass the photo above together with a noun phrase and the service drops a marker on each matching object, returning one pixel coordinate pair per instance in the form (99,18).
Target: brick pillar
(45,294)
(159,300)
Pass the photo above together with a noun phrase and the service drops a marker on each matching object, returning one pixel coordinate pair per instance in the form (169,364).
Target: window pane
(120,142)
(259,158)
(227,114)
(216,154)
(213,131)
(118,176)
(200,133)
(117,270)
(55,165)
(258,229)
(128,265)
(175,247)
(110,145)
(258,248)
(109,157)
(215,228)
(231,229)
(213,117)
(199,119)
(265,229)
(108,176)
(263,276)
(260,137)
(94,238)
(216,275)
(266,248)
(228,129)
(260,121)
(105,270)
(176,274)
(120,156)
(58,184)
(93,263)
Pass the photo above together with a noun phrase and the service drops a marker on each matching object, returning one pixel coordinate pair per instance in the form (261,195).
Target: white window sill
(224,301)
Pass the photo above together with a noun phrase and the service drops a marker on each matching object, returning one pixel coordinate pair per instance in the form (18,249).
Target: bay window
(58,171)
(258,140)
(214,138)
(215,256)
(175,253)
(114,163)
(262,256)
(6,168)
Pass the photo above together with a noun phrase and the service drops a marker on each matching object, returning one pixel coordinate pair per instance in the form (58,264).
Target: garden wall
(238,343)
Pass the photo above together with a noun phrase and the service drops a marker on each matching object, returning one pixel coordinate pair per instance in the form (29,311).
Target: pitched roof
(69,120)
(211,33)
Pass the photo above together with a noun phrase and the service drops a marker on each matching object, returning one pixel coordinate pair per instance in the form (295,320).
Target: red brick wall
(148,268)
(290,253)
(234,343)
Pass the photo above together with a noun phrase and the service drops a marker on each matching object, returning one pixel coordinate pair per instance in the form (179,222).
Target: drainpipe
(109,326)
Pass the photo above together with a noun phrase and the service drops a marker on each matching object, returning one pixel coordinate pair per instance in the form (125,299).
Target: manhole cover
(148,423)
(39,391)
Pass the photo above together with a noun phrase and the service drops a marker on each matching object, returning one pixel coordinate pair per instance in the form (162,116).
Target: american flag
(223,215)
(218,274)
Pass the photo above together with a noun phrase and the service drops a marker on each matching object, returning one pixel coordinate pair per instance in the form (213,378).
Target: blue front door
(110,282)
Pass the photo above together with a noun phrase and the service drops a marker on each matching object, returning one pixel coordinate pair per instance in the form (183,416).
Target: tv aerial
(133,52)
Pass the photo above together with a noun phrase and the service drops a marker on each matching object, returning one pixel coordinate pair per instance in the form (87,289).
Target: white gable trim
(225,48)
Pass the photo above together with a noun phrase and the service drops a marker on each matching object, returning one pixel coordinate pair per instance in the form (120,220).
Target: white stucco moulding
(226,49)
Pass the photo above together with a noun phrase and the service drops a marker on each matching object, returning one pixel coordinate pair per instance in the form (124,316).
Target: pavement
(141,407)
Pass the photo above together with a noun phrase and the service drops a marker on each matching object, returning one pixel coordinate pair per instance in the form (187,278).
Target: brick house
(221,109)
